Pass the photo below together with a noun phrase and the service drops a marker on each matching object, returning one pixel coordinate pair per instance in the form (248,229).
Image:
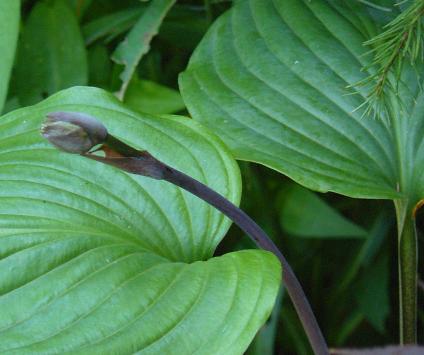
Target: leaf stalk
(407,266)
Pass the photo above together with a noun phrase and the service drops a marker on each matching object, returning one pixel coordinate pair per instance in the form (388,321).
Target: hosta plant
(282,82)
(98,261)
(118,254)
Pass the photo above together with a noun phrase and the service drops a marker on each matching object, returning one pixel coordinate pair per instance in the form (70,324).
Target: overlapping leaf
(304,214)
(51,54)
(96,261)
(111,25)
(9,26)
(270,78)
(150,97)
(137,43)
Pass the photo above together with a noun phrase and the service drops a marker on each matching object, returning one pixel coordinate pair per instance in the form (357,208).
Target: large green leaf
(96,261)
(270,78)
(9,25)
(51,54)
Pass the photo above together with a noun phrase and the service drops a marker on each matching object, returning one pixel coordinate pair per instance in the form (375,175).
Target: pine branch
(401,40)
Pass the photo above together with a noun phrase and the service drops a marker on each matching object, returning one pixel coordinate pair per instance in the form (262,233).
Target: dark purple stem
(79,133)
(262,240)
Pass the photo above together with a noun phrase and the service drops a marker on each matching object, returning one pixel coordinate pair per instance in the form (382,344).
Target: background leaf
(51,54)
(304,214)
(137,43)
(79,6)
(100,66)
(9,26)
(373,293)
(117,255)
(111,25)
(150,97)
(184,26)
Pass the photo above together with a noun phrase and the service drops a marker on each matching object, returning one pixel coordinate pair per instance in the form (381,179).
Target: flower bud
(73,132)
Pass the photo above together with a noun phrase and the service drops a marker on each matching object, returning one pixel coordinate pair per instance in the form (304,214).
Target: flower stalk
(122,156)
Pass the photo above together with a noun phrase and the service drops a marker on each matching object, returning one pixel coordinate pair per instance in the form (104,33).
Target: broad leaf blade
(267,80)
(118,298)
(116,255)
(9,26)
(51,55)
(101,198)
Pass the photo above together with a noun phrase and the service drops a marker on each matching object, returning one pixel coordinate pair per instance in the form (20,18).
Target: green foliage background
(343,250)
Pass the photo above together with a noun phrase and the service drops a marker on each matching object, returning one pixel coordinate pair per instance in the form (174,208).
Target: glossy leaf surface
(266,79)
(95,260)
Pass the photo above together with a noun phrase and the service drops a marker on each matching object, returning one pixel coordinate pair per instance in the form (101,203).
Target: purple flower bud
(73,132)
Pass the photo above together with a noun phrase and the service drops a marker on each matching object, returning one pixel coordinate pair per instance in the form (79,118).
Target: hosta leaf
(9,26)
(270,78)
(51,54)
(96,261)
(53,185)
(118,298)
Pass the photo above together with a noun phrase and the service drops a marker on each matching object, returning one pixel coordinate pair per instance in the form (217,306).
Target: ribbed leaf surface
(97,261)
(270,78)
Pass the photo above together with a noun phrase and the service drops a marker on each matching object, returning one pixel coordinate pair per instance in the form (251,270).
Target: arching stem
(145,164)
(78,133)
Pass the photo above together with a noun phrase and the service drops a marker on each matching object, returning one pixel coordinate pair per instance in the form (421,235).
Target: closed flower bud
(73,132)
